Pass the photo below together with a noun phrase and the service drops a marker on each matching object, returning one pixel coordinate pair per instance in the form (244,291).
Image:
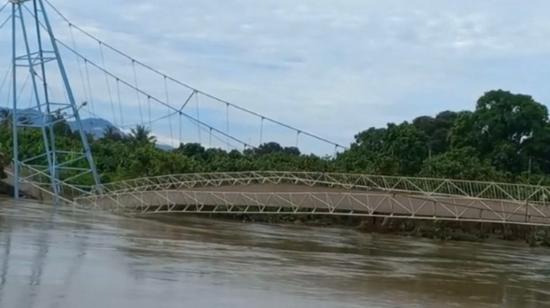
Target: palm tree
(142,135)
(112,133)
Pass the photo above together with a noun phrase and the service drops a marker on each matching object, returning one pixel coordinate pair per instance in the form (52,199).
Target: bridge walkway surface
(302,193)
(309,193)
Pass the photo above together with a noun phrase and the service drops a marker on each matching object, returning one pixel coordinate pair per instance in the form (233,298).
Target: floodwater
(63,258)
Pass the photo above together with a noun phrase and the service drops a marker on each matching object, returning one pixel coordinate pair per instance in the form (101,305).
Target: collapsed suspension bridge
(110,82)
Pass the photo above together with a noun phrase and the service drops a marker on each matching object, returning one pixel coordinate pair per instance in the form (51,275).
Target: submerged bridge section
(112,86)
(300,193)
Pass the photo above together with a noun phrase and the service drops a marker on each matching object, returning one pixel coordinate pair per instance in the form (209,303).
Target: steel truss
(38,49)
(267,192)
(52,175)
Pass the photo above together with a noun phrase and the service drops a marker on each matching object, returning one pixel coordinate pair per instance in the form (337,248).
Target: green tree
(142,135)
(437,131)
(3,164)
(506,137)
(194,150)
(113,133)
(462,163)
(508,129)
(397,149)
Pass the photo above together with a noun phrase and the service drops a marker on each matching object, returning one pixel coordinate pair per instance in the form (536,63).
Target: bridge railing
(37,183)
(396,184)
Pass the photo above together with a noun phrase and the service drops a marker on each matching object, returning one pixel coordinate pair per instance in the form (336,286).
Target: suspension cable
(180,119)
(137,92)
(222,141)
(90,91)
(170,127)
(135,124)
(227,119)
(166,92)
(5,22)
(108,85)
(197,106)
(188,99)
(149,112)
(154,98)
(156,120)
(261,131)
(119,101)
(77,59)
(4,6)
(167,97)
(213,97)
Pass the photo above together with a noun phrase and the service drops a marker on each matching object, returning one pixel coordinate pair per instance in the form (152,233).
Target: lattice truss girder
(344,194)
(425,186)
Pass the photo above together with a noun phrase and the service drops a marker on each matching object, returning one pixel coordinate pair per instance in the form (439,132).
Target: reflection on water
(63,258)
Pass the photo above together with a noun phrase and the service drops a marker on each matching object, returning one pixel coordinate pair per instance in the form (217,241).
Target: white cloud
(333,68)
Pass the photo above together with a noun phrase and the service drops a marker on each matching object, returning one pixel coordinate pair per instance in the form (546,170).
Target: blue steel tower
(35,52)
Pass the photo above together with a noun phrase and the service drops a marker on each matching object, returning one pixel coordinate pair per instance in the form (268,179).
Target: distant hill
(30,116)
(92,126)
(165,147)
(95,126)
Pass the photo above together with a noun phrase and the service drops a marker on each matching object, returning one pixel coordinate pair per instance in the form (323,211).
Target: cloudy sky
(335,67)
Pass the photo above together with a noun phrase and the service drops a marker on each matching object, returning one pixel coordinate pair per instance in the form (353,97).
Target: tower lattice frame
(35,49)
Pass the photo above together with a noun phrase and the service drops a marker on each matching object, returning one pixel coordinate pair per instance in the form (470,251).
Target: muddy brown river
(71,259)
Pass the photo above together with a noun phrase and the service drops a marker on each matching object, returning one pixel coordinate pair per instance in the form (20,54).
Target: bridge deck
(301,193)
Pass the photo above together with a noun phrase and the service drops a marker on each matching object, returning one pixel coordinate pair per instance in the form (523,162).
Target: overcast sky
(335,67)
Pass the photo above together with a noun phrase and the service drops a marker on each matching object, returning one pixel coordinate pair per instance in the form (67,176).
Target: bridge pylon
(37,67)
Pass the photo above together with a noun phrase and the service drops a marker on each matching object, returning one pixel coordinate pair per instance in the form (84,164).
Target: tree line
(505,138)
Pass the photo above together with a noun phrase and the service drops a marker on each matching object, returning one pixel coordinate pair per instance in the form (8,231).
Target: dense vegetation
(506,138)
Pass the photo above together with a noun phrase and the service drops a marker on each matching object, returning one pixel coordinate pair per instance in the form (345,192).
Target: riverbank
(459,231)
(437,230)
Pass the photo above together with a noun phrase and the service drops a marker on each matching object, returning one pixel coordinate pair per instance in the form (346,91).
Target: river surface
(71,259)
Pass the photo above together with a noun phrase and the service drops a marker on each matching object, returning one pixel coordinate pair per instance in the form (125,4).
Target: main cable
(4,6)
(5,22)
(142,92)
(152,97)
(213,97)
